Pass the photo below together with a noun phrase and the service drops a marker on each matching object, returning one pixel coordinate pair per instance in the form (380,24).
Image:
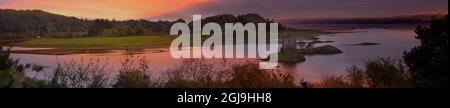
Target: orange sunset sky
(110,9)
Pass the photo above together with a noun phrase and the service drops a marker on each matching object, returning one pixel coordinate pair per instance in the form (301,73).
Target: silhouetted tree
(12,73)
(428,62)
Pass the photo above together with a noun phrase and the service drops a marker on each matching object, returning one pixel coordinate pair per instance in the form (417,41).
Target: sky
(276,9)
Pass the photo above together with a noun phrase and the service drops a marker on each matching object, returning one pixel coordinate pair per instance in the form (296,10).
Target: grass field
(102,42)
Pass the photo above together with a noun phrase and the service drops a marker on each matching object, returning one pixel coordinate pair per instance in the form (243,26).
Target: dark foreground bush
(198,74)
(379,73)
(134,74)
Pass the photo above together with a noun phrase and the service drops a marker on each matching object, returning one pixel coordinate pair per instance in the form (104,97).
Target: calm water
(357,26)
(392,44)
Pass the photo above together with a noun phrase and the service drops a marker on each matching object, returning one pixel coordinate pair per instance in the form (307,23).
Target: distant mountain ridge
(405,19)
(244,19)
(20,24)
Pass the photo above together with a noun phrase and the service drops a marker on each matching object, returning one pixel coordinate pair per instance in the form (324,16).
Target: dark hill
(228,18)
(23,24)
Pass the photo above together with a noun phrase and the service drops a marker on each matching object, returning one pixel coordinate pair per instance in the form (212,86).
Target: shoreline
(72,51)
(68,49)
(132,44)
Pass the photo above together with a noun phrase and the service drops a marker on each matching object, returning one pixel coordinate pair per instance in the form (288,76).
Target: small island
(364,44)
(291,54)
(292,57)
(327,49)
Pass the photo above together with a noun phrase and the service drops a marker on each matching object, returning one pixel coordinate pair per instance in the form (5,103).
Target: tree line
(20,24)
(23,24)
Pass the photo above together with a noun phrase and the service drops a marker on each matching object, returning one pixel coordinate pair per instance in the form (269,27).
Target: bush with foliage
(77,75)
(428,62)
(134,74)
(199,74)
(378,73)
(12,73)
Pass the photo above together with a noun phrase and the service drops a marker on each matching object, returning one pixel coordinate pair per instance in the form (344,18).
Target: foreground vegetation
(378,73)
(196,73)
(429,61)
(192,73)
(12,73)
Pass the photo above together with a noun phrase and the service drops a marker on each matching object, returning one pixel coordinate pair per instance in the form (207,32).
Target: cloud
(287,9)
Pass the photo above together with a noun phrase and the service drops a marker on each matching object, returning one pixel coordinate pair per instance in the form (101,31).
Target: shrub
(78,75)
(333,82)
(12,73)
(248,75)
(193,73)
(134,74)
(379,73)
